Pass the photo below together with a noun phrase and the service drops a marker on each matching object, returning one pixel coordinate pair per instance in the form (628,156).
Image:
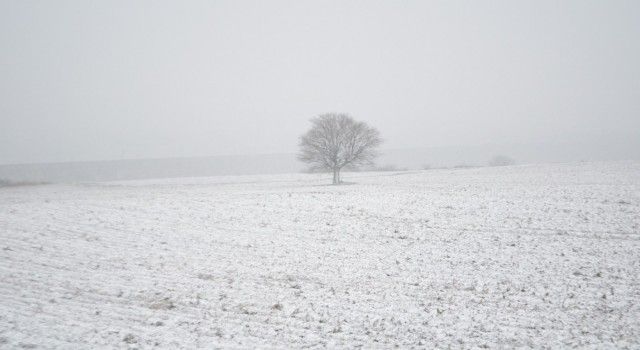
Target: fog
(325,174)
(92,81)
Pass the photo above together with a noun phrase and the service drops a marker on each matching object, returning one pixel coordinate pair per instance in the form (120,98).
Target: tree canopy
(336,141)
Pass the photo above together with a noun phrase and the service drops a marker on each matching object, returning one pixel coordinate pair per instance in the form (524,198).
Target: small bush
(501,161)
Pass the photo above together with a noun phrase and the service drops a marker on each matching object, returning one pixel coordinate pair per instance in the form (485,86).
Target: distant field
(521,256)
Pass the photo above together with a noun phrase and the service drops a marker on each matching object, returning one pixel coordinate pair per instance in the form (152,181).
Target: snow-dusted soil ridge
(524,256)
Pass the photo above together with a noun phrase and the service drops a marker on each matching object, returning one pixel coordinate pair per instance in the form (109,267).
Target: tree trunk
(336,176)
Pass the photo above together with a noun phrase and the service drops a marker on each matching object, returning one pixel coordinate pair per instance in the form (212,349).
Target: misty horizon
(324,174)
(91,82)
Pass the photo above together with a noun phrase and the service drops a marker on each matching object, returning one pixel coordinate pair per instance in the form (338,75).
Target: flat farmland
(521,256)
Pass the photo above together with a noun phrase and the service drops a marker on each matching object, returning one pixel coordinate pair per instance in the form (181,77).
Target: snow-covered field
(522,256)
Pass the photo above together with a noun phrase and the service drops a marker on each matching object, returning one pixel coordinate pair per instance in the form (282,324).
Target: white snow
(522,256)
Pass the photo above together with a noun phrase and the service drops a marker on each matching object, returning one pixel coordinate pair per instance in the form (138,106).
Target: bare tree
(336,141)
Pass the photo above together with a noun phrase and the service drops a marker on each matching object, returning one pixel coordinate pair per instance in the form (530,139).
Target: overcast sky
(93,80)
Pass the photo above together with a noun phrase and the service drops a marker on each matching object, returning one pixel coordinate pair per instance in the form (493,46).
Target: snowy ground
(523,256)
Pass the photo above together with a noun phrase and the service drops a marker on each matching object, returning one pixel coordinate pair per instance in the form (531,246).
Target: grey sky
(89,80)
